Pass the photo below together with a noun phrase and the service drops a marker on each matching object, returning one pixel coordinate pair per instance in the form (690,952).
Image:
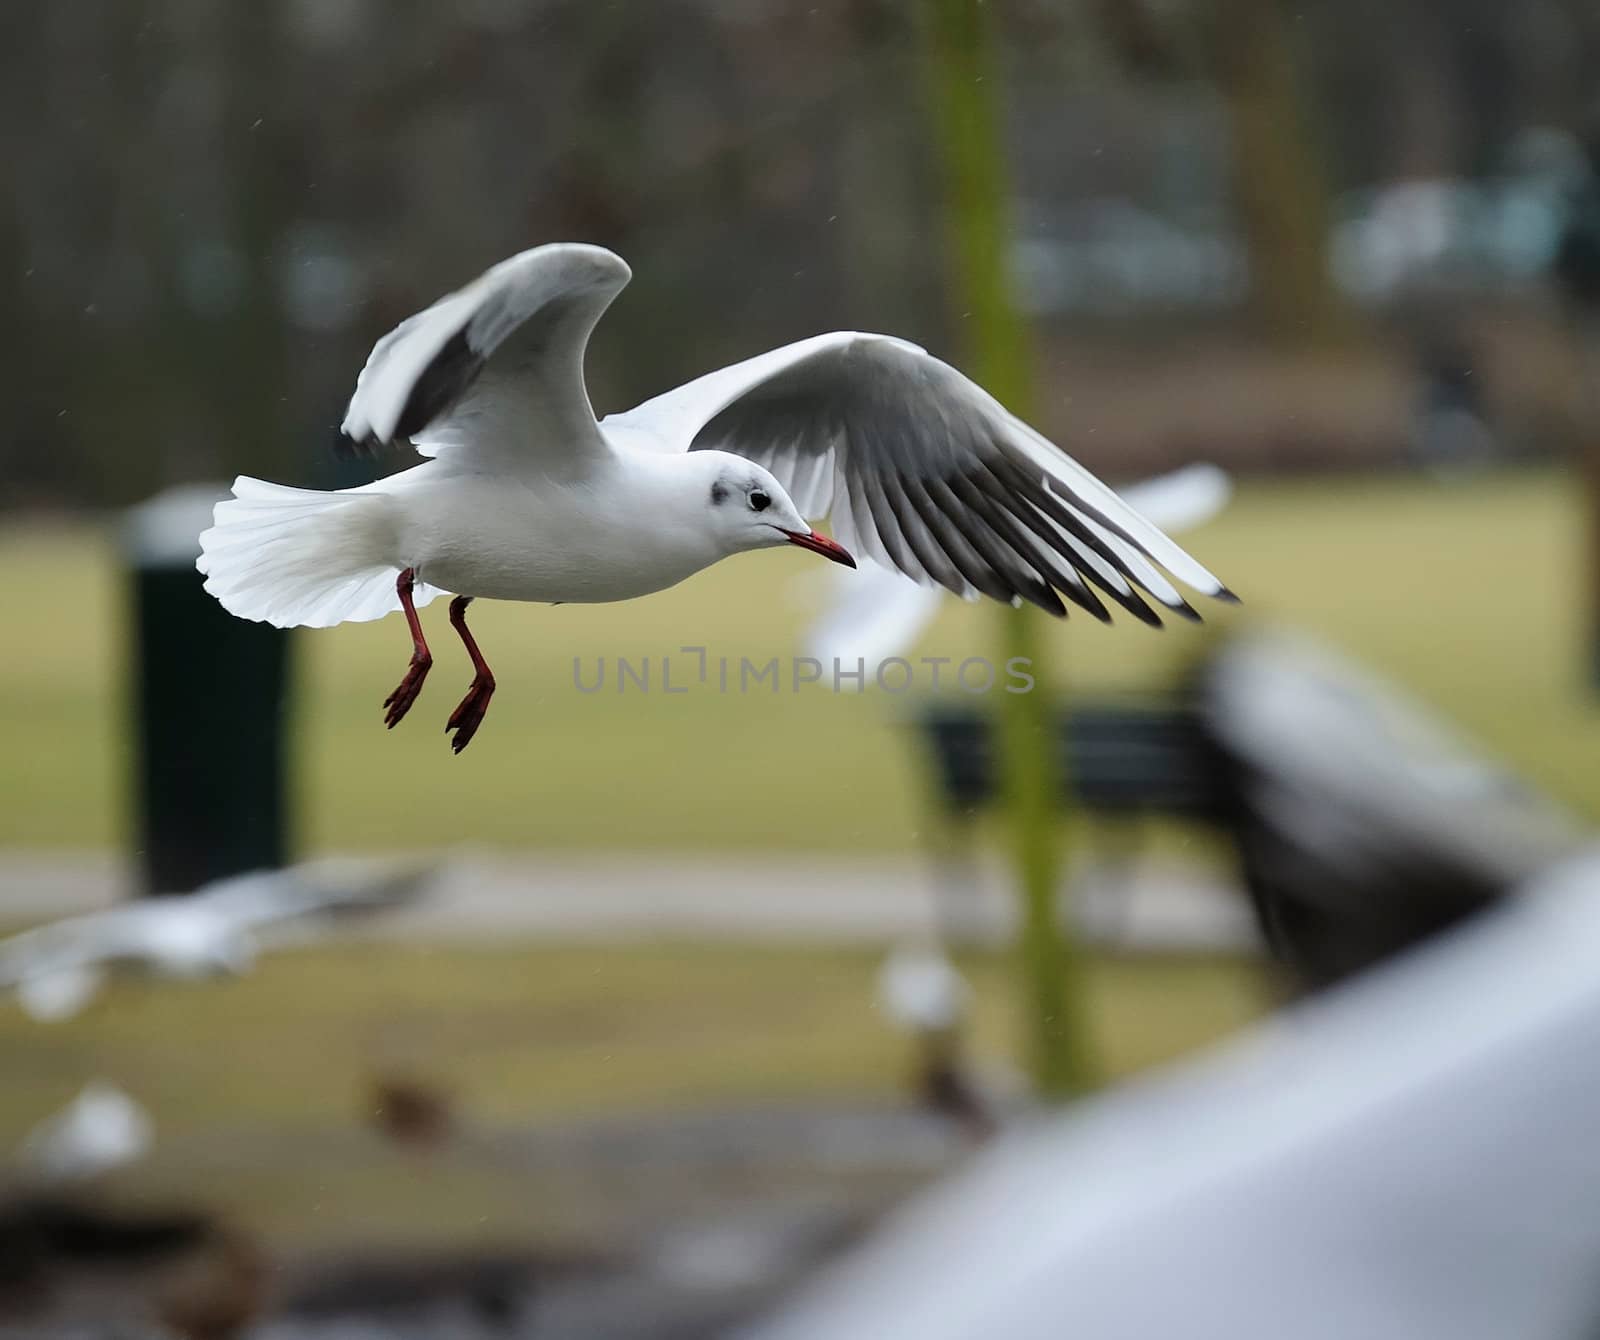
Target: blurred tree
(967,119)
(1278,186)
(881,188)
(1143,45)
(259,138)
(190,181)
(1245,50)
(1576,273)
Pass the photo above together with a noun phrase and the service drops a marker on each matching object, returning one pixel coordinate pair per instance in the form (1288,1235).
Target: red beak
(821,544)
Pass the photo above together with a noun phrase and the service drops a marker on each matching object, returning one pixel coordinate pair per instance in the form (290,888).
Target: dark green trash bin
(209,696)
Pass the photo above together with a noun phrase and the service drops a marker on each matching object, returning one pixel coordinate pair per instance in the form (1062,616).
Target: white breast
(609,536)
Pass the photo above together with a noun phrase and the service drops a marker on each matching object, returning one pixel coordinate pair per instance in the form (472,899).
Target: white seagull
(58,968)
(528,497)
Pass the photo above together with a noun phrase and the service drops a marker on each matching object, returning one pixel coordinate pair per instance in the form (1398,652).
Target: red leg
(468,716)
(399,702)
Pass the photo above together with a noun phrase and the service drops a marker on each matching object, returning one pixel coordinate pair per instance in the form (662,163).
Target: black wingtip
(1226,596)
(347,448)
(1141,611)
(1043,596)
(1085,599)
(1099,613)
(452,370)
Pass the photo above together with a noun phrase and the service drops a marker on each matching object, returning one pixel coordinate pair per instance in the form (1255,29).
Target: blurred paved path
(482,895)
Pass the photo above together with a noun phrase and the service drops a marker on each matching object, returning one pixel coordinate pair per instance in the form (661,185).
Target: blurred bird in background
(100,1130)
(409,1111)
(58,968)
(924,994)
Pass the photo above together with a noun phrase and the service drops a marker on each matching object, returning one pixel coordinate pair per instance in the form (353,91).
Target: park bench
(1123,757)
(1127,760)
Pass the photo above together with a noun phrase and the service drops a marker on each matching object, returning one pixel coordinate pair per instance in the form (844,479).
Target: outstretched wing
(262,897)
(927,473)
(495,367)
(69,945)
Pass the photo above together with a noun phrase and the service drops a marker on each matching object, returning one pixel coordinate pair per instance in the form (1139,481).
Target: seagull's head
(749,509)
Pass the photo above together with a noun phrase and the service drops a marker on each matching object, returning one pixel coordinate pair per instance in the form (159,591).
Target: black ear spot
(759,500)
(719,493)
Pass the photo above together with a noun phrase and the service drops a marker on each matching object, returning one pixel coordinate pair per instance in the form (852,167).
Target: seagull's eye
(759,500)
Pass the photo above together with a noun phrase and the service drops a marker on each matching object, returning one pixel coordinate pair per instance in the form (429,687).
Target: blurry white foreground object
(1411,1157)
(875,613)
(1181,499)
(99,1130)
(1364,823)
(56,969)
(921,990)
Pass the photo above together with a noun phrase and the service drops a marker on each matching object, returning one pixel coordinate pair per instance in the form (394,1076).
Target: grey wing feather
(930,475)
(490,365)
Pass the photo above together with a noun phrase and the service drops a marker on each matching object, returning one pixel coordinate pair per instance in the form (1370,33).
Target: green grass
(552,1030)
(259,1087)
(1469,593)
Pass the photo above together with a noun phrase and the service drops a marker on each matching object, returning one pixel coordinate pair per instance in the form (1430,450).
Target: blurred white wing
(48,997)
(71,945)
(874,615)
(56,969)
(1183,499)
(262,897)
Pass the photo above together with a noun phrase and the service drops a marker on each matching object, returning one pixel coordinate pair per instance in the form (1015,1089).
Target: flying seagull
(58,968)
(527,497)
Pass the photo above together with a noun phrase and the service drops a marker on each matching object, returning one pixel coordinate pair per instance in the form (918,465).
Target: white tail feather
(300,558)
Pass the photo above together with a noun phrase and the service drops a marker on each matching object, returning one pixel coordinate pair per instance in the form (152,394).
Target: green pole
(971,149)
